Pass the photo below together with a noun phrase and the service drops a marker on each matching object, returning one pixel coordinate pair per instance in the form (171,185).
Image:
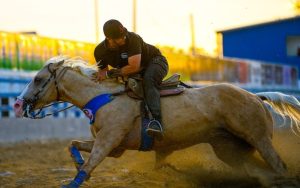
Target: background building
(275,42)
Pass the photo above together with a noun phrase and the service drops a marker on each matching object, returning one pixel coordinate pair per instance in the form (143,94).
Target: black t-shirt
(119,58)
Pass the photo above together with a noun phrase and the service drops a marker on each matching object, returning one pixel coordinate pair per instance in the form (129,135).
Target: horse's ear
(58,64)
(54,66)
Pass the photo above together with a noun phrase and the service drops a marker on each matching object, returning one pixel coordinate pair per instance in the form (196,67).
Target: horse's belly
(188,124)
(184,136)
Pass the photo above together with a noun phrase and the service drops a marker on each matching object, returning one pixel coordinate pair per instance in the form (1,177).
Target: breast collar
(95,104)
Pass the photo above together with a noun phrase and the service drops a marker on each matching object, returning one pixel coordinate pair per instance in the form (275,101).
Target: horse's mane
(78,64)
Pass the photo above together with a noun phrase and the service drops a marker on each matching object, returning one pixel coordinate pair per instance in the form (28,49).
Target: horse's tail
(285,109)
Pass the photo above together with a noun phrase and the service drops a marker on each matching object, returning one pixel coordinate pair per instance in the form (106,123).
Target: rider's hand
(113,73)
(102,75)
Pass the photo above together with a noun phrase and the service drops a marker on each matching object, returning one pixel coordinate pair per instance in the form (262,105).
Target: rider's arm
(134,60)
(134,65)
(134,56)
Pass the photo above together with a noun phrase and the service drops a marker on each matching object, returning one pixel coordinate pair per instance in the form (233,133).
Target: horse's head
(48,86)
(42,90)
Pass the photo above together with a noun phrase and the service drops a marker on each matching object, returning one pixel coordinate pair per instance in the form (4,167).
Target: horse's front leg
(75,148)
(105,142)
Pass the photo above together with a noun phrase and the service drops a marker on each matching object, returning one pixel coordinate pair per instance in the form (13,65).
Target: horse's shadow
(207,178)
(207,166)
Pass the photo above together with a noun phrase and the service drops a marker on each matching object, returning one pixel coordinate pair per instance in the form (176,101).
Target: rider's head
(115,33)
(113,29)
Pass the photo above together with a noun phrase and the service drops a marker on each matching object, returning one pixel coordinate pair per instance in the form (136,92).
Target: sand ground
(47,164)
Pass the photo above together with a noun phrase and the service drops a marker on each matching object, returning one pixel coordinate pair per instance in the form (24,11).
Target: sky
(158,22)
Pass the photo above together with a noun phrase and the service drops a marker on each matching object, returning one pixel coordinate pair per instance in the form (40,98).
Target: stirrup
(154,128)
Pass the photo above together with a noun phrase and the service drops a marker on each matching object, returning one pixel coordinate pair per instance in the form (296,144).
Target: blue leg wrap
(77,157)
(78,180)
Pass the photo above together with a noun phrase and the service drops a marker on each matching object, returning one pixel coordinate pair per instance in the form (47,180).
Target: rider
(128,54)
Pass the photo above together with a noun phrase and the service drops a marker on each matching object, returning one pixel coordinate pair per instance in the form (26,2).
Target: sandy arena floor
(47,164)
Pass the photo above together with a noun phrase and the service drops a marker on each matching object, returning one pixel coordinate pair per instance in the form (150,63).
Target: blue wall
(265,42)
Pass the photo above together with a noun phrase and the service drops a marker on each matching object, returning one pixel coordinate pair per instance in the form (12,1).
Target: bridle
(29,104)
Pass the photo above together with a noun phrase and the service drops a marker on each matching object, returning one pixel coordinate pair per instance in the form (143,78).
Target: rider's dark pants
(155,72)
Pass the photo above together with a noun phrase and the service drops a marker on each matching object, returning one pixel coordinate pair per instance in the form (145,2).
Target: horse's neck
(79,90)
(111,86)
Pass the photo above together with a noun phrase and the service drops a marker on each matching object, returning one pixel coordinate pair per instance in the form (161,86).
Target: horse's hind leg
(264,146)
(261,141)
(239,155)
(267,151)
(225,144)
(255,127)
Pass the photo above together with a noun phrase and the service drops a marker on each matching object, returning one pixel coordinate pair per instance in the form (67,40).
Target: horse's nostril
(18,108)
(16,105)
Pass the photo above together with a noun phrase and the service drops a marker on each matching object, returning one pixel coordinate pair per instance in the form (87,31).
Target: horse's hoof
(73,184)
(70,185)
(78,180)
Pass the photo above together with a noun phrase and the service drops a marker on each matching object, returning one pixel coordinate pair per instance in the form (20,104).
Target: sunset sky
(163,22)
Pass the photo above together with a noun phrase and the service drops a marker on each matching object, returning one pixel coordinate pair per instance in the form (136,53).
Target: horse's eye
(37,80)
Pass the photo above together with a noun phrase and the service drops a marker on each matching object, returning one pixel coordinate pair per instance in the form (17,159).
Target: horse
(230,119)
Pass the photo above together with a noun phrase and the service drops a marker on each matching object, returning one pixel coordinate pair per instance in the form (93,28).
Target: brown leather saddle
(170,86)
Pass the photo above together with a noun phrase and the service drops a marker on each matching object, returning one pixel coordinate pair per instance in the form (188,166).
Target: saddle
(168,87)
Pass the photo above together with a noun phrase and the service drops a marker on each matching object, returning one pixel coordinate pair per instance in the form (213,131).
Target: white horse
(234,121)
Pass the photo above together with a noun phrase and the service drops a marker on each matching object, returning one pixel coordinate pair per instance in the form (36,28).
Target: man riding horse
(128,54)
(241,130)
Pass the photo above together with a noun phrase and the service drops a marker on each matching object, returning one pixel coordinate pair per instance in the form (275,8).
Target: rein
(35,116)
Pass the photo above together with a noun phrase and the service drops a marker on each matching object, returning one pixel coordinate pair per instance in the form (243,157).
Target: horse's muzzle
(18,108)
